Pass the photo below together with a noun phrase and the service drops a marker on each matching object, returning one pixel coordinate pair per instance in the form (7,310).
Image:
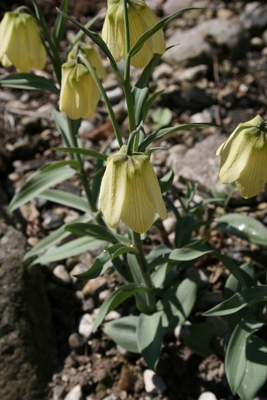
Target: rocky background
(216,72)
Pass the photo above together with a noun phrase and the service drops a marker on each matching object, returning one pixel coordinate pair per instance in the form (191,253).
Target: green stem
(81,169)
(147,281)
(53,53)
(127,81)
(105,97)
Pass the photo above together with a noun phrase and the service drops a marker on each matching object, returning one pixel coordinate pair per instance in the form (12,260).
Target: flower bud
(130,192)
(79,93)
(141,19)
(20,43)
(244,157)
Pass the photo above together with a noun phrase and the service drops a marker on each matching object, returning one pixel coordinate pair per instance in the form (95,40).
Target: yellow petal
(79,93)
(153,189)
(254,175)
(235,151)
(138,211)
(112,190)
(113,31)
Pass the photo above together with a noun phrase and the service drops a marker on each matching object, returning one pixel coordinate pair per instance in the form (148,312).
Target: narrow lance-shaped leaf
(67,199)
(103,261)
(97,40)
(38,183)
(149,337)
(54,238)
(166,131)
(59,26)
(85,152)
(161,24)
(240,300)
(115,299)
(123,332)
(235,359)
(28,82)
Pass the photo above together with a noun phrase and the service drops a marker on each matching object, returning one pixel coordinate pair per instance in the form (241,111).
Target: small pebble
(52,220)
(86,325)
(153,382)
(75,393)
(61,275)
(207,396)
(88,305)
(93,286)
(76,341)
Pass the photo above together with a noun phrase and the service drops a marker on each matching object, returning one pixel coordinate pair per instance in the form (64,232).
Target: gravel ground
(216,73)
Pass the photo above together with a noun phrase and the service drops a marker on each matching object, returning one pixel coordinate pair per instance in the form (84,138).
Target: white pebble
(61,274)
(153,382)
(86,325)
(207,396)
(75,393)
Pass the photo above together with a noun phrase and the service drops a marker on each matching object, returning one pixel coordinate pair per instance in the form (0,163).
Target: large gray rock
(27,345)
(191,48)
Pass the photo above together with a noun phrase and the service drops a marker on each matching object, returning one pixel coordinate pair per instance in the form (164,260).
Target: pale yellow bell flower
(79,93)
(130,192)
(92,57)
(141,19)
(244,157)
(20,42)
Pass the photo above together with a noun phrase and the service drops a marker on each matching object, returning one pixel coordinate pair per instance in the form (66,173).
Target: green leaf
(233,286)
(238,273)
(38,184)
(167,131)
(244,227)
(123,332)
(115,299)
(166,181)
(59,26)
(96,39)
(59,164)
(159,274)
(188,253)
(53,238)
(256,369)
(161,24)
(198,339)
(177,303)
(235,358)
(85,152)
(140,91)
(161,117)
(63,123)
(67,199)
(97,231)
(103,261)
(240,300)
(28,82)
(69,249)
(149,338)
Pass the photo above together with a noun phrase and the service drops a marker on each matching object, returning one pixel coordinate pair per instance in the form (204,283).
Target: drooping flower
(141,19)
(130,192)
(20,43)
(79,93)
(91,55)
(244,157)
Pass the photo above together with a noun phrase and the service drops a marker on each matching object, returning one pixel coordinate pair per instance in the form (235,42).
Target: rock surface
(27,343)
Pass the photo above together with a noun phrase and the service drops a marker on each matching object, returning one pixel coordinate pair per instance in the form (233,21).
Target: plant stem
(147,281)
(81,169)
